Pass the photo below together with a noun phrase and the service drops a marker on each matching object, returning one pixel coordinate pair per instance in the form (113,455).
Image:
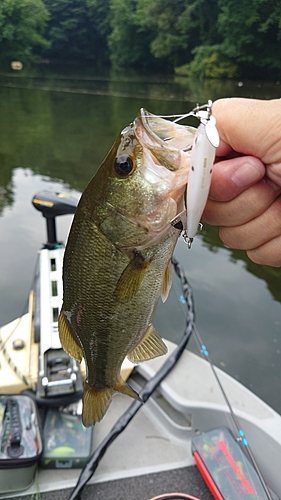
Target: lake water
(54,132)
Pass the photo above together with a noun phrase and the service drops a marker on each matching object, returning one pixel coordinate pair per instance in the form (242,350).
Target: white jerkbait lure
(200,174)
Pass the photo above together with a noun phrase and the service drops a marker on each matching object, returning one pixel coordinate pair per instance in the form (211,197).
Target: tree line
(198,38)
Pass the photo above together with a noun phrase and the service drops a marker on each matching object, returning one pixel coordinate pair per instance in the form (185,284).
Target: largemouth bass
(117,259)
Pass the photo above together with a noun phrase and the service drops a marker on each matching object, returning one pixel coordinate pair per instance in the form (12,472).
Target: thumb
(231,177)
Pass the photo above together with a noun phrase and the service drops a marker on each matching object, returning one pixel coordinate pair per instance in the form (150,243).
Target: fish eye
(124,166)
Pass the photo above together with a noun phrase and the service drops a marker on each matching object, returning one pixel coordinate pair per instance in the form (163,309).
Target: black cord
(145,393)
(56,401)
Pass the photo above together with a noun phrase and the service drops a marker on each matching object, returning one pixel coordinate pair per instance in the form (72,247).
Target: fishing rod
(186,301)
(146,391)
(241,437)
(203,154)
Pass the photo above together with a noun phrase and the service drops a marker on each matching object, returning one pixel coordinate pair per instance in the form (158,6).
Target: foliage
(176,26)
(251,33)
(128,39)
(72,32)
(208,62)
(205,38)
(145,31)
(22,24)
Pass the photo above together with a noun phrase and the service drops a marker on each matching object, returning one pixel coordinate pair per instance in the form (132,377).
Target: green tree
(251,34)
(178,26)
(72,32)
(99,14)
(208,62)
(129,39)
(22,25)
(158,32)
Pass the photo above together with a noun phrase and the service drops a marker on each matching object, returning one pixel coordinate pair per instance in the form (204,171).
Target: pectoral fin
(68,342)
(131,278)
(167,282)
(150,347)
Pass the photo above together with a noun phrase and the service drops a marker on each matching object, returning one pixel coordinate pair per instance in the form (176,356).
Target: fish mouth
(169,142)
(166,133)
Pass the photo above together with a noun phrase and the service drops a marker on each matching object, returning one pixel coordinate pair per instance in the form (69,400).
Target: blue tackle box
(67,443)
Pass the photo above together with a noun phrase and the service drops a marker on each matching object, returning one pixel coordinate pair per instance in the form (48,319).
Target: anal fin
(124,388)
(67,339)
(149,347)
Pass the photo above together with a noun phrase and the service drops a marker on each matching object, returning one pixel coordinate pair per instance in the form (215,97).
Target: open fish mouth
(159,133)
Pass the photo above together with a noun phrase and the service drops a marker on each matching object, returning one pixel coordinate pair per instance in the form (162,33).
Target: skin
(245,194)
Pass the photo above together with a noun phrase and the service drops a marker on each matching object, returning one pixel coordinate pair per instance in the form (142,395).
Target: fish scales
(117,260)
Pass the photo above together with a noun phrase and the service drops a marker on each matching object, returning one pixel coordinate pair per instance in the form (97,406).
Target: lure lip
(212,132)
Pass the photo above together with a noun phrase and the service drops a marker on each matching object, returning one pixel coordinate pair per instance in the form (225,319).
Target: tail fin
(95,404)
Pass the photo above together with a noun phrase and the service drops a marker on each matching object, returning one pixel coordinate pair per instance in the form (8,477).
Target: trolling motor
(58,374)
(51,205)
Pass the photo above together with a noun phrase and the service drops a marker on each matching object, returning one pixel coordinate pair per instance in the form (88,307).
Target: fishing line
(241,435)
(242,438)
(193,112)
(145,392)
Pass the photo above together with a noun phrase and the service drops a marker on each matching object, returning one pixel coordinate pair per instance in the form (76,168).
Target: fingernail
(245,175)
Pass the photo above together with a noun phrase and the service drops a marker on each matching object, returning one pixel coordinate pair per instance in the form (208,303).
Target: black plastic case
(20,442)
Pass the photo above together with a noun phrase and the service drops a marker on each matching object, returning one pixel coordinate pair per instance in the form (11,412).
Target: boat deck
(185,480)
(153,456)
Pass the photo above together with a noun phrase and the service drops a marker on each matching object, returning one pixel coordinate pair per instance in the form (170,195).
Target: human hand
(245,191)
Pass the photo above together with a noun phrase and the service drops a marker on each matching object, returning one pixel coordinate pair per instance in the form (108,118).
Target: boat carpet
(185,480)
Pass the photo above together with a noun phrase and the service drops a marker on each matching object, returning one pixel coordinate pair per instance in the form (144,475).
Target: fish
(117,260)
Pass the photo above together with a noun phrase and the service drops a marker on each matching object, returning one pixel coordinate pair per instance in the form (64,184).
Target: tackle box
(225,468)
(67,443)
(20,442)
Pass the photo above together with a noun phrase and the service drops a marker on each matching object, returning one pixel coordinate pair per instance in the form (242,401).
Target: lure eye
(124,166)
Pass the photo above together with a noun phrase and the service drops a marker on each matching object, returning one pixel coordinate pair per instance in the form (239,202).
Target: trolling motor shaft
(58,374)
(52,205)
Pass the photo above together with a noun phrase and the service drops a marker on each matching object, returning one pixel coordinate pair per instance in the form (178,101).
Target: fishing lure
(202,158)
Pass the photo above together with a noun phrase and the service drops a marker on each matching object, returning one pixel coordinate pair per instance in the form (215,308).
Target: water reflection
(54,135)
(272,275)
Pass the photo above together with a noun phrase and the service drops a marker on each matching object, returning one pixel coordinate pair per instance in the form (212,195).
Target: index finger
(248,126)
